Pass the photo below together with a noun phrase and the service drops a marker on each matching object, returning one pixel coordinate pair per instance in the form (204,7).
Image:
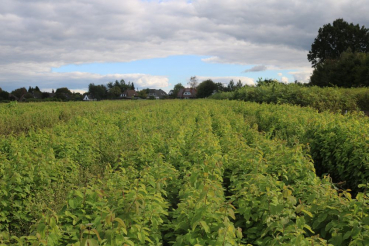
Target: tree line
(109,91)
(112,90)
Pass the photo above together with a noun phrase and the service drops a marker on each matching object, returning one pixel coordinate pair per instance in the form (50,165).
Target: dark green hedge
(322,99)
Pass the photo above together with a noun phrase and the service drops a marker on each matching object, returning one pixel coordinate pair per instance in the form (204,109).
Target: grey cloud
(274,33)
(258,68)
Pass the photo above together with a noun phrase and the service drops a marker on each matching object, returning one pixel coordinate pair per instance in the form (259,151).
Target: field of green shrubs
(182,172)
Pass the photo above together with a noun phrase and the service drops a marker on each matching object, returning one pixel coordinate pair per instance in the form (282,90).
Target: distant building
(187,93)
(157,94)
(87,97)
(129,94)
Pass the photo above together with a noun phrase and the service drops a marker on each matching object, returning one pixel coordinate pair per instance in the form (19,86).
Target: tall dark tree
(349,70)
(220,87)
(98,91)
(335,38)
(206,88)
(110,85)
(231,86)
(239,84)
(31,89)
(4,95)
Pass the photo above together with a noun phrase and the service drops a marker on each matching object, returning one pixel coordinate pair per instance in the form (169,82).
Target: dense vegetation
(339,55)
(182,173)
(349,70)
(334,39)
(323,99)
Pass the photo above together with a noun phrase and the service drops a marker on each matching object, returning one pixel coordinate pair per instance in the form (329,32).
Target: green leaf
(121,222)
(347,235)
(205,226)
(309,228)
(307,213)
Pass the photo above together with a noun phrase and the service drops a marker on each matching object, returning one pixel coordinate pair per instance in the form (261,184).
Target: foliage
(4,95)
(206,88)
(98,91)
(63,93)
(19,92)
(349,70)
(233,87)
(333,39)
(122,85)
(323,99)
(176,89)
(217,173)
(142,94)
(115,91)
(31,89)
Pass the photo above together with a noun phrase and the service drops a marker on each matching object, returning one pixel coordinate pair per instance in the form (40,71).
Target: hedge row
(322,99)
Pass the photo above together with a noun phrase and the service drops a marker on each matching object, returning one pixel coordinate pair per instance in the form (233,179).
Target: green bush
(323,99)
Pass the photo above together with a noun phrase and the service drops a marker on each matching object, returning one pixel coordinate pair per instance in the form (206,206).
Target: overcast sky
(156,44)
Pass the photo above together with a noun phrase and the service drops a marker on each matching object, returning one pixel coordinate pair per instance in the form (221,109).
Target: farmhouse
(157,94)
(187,93)
(89,98)
(128,94)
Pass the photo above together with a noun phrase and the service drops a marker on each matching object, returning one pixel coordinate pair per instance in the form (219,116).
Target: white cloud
(280,74)
(76,81)
(284,80)
(302,75)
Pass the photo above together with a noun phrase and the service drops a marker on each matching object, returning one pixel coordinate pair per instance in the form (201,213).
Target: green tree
(19,92)
(335,38)
(4,95)
(115,91)
(98,91)
(206,88)
(266,82)
(221,87)
(350,70)
(176,89)
(142,94)
(239,84)
(231,86)
(63,93)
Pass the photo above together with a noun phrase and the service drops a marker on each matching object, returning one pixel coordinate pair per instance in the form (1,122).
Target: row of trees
(35,94)
(339,55)
(111,90)
(114,90)
(207,87)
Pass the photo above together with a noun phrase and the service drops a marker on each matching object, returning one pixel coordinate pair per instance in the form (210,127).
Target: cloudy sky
(156,44)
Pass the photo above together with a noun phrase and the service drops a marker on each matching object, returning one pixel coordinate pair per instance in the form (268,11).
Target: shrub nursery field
(190,172)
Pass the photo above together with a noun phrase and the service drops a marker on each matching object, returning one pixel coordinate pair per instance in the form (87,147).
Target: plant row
(337,143)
